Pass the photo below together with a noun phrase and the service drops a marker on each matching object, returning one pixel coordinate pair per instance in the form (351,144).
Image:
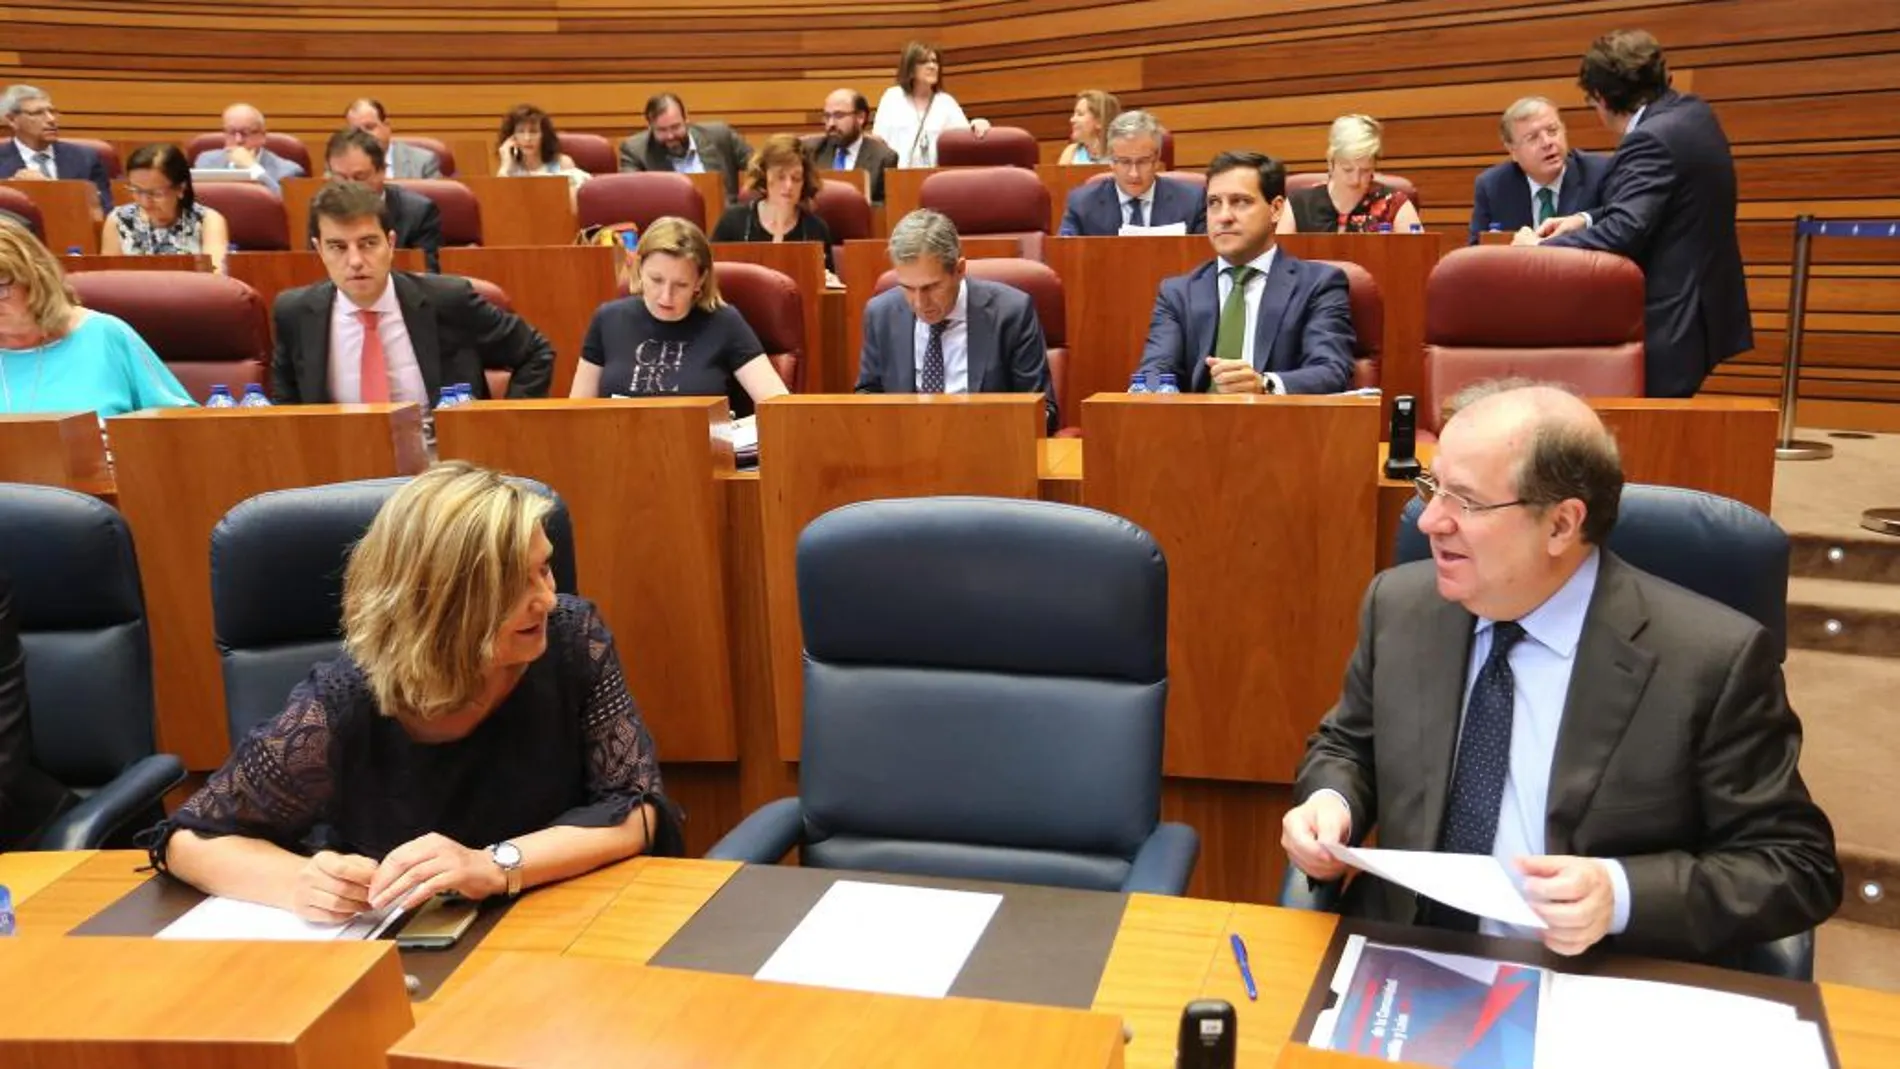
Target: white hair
(16,97)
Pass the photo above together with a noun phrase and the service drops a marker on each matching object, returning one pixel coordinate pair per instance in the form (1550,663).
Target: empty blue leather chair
(277,564)
(984,687)
(81,613)
(1719,548)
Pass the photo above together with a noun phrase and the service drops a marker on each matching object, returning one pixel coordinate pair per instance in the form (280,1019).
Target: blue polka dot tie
(931,381)
(1484,752)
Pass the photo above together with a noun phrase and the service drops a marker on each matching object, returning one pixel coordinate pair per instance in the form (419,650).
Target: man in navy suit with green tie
(1543,178)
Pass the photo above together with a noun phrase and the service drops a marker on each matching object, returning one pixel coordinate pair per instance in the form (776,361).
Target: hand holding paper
(1574,897)
(1476,883)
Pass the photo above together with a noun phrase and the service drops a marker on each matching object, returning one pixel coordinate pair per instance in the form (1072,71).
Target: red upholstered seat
(283,145)
(771,305)
(254,214)
(1559,315)
(498,377)
(846,212)
(1297,182)
(114,169)
(461,212)
(639,197)
(991,202)
(1002,146)
(12,200)
(444,155)
(208,329)
(1043,286)
(591,152)
(1368,322)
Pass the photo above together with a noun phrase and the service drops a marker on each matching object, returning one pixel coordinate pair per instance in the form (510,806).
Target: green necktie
(1546,204)
(1230,343)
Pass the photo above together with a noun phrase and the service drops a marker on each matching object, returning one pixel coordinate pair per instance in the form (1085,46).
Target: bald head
(1563,450)
(243,126)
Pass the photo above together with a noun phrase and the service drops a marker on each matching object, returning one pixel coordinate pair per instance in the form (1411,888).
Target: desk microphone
(1401,463)
(1208,1036)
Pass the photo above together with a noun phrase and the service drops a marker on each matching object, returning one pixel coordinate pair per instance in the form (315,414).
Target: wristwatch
(1266,383)
(507,856)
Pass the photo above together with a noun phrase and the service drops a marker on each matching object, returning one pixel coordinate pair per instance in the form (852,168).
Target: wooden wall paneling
(1108,292)
(804,263)
(68,210)
(555,288)
(532,210)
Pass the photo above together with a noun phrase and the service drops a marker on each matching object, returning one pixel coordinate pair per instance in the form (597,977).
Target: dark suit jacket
(1677,756)
(1304,329)
(720,149)
(72,161)
(1007,351)
(29,798)
(1669,205)
(1502,196)
(873,157)
(415,219)
(455,333)
(1095,209)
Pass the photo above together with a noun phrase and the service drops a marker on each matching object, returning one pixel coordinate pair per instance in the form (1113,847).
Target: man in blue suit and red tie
(1543,178)
(1255,319)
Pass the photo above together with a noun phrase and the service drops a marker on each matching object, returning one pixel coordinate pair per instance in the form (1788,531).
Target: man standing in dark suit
(1256,319)
(355,156)
(1669,205)
(671,143)
(847,143)
(1543,178)
(942,332)
(1137,196)
(373,334)
(1623,745)
(36,151)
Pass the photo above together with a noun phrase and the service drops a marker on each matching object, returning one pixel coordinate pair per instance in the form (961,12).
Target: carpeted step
(1850,712)
(1862,558)
(1841,616)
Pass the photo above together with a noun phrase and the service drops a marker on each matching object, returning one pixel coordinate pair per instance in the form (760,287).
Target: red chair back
(1002,146)
(1368,323)
(12,200)
(591,153)
(461,212)
(208,329)
(444,155)
(772,306)
(639,197)
(846,212)
(283,145)
(254,214)
(992,202)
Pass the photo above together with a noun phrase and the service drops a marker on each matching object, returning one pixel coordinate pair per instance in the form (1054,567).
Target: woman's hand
(510,154)
(980,127)
(331,888)
(420,869)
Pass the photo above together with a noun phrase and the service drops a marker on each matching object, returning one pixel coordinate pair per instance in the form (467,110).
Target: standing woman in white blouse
(913,112)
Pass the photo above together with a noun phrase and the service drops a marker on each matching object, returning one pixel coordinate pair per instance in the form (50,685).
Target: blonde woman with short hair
(674,336)
(1352,201)
(476,736)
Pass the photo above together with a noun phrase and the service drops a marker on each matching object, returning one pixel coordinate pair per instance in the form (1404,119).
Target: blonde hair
(680,237)
(1104,105)
(27,263)
(1354,137)
(444,563)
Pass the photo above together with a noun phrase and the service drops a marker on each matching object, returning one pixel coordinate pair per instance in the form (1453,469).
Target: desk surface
(1166,952)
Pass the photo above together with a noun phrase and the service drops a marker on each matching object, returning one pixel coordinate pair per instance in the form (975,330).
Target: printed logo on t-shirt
(656,366)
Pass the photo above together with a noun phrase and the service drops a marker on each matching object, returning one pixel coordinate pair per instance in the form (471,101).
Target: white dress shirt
(399,356)
(1147,203)
(690,163)
(32,158)
(1256,286)
(956,344)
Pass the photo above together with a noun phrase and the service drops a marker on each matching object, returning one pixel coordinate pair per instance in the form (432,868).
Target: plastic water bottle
(220,397)
(73,250)
(447,398)
(1418,228)
(254,397)
(6,911)
(464,394)
(1385,228)
(1168,385)
(1495,228)
(1138,383)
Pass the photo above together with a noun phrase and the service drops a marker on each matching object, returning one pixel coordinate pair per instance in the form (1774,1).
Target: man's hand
(332,888)
(1309,827)
(1562,224)
(1233,376)
(28,174)
(241,157)
(420,869)
(1574,896)
(980,127)
(1524,236)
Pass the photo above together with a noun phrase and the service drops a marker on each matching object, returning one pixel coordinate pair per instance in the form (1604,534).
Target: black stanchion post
(1786,447)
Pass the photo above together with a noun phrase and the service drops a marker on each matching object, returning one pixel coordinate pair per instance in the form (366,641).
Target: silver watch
(507,856)
(1266,383)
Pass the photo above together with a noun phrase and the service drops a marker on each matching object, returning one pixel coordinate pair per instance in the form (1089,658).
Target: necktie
(931,380)
(1546,204)
(843,160)
(1230,341)
(374,376)
(1484,759)
(43,163)
(1137,216)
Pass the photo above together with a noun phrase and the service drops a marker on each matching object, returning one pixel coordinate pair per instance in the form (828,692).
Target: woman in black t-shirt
(674,336)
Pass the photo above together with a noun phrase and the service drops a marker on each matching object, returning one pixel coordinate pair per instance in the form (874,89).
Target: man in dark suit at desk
(1256,319)
(1669,205)
(354,156)
(847,143)
(374,334)
(940,331)
(1543,178)
(1137,195)
(1623,744)
(36,151)
(671,143)
(29,798)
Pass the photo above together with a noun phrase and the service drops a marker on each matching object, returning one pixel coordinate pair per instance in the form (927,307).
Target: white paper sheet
(228,918)
(1476,883)
(884,938)
(1164,230)
(1667,1024)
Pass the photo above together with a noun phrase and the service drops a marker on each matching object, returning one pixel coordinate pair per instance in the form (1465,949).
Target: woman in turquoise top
(58,357)
(1088,126)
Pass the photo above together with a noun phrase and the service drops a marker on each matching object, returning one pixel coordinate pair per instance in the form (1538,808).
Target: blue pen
(1246,974)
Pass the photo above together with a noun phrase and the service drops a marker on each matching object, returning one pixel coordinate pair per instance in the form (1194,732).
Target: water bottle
(1418,228)
(220,397)
(1139,383)
(6,911)
(1495,228)
(1385,228)
(1168,384)
(464,394)
(254,397)
(447,398)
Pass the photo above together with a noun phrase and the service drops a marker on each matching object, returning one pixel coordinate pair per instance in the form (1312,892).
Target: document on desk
(1476,883)
(229,918)
(884,938)
(1130,230)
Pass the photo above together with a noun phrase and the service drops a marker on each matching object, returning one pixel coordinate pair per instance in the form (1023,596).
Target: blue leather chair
(81,612)
(277,564)
(985,682)
(1721,549)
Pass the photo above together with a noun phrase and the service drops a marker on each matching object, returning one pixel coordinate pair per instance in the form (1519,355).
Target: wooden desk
(902,189)
(68,208)
(1108,296)
(298,193)
(531,210)
(804,263)
(1061,180)
(63,449)
(555,288)
(712,190)
(74,265)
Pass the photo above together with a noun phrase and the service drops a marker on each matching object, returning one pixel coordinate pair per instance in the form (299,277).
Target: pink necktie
(374,385)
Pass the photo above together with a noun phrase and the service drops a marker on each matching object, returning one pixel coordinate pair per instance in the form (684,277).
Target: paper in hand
(1478,884)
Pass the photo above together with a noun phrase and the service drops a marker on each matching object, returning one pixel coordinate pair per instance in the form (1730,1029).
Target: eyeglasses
(151,194)
(1132,163)
(41,113)
(1427,486)
(230,132)
(840,115)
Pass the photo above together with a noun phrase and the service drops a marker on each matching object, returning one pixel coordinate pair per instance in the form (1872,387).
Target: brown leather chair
(1297,182)
(254,214)
(772,306)
(498,377)
(18,203)
(208,329)
(1557,315)
(1003,146)
(282,145)
(107,153)
(846,212)
(639,197)
(1368,322)
(444,155)
(591,153)
(992,202)
(461,212)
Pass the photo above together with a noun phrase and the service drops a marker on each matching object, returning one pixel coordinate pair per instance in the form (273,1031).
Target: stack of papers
(228,918)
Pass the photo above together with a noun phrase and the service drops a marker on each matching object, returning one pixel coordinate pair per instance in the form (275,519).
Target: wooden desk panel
(1254,549)
(97,879)
(25,873)
(556,289)
(531,210)
(1060,181)
(1722,445)
(1108,295)
(637,477)
(1401,264)
(68,208)
(817,453)
(298,193)
(651,910)
(63,449)
(903,188)
(1161,958)
(712,190)
(804,263)
(179,471)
